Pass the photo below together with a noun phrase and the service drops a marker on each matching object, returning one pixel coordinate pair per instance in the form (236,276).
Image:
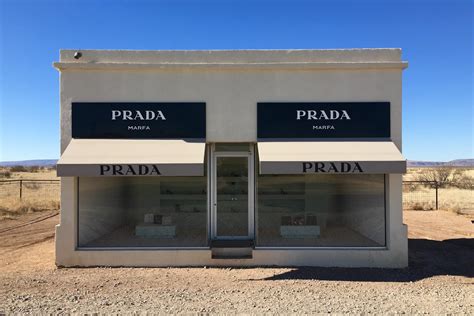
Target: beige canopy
(119,157)
(303,157)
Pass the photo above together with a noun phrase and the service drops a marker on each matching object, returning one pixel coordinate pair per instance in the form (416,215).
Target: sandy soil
(439,280)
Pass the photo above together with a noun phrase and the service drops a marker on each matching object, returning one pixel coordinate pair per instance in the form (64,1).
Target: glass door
(232,181)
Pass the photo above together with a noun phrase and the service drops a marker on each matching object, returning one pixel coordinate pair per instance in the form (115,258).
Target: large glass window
(321,211)
(142,212)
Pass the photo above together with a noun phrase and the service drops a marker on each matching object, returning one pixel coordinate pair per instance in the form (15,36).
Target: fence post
(21,188)
(436,197)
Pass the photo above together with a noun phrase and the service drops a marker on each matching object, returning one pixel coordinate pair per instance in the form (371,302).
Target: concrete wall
(231,83)
(231,97)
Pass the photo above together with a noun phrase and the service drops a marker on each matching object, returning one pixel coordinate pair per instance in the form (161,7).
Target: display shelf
(155,231)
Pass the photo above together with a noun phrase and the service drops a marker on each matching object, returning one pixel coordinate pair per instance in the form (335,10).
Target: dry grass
(413,173)
(48,174)
(457,200)
(10,208)
(421,197)
(36,196)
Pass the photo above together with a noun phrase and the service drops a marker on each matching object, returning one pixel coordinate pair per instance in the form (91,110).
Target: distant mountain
(29,163)
(452,163)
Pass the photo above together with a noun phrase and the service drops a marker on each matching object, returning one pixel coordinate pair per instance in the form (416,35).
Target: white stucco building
(235,158)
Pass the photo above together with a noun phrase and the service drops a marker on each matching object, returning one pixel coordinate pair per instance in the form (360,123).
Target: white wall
(231,83)
(231,96)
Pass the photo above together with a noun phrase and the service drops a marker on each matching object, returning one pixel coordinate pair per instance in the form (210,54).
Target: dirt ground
(438,281)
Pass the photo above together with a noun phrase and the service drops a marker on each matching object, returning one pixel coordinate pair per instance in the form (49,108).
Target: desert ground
(439,280)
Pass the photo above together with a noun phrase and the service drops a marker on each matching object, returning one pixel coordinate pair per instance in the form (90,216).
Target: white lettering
(299,114)
(319,127)
(149,115)
(137,115)
(127,115)
(345,115)
(159,115)
(312,115)
(322,115)
(138,128)
(115,113)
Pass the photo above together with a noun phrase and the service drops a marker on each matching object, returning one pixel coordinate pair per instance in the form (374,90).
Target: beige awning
(119,157)
(330,157)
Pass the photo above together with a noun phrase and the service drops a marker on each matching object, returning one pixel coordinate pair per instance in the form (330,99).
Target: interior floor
(333,236)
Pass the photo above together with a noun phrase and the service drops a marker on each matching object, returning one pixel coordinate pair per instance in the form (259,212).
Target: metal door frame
(251,187)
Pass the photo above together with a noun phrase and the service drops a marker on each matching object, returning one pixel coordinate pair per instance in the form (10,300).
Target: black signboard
(142,120)
(323,120)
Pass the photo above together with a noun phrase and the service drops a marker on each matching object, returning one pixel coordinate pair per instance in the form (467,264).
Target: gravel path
(439,281)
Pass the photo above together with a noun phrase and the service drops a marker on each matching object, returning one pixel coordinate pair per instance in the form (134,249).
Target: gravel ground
(439,281)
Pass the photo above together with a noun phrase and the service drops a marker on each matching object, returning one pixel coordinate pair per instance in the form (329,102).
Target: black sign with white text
(144,120)
(323,120)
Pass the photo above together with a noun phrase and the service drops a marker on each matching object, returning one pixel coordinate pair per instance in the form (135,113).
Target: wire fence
(425,195)
(35,194)
(417,195)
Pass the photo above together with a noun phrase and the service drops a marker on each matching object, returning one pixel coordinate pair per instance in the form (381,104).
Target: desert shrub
(5,174)
(18,169)
(442,177)
(420,206)
(465,182)
(456,208)
(410,187)
(417,207)
(33,169)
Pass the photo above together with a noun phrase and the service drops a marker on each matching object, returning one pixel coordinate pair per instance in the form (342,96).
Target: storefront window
(321,211)
(142,212)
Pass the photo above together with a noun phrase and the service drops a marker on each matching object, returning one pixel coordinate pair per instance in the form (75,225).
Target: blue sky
(436,38)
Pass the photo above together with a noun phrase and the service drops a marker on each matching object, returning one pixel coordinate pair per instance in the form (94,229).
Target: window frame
(137,248)
(381,247)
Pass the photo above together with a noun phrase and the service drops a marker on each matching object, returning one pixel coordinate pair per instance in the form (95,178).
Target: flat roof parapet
(306,58)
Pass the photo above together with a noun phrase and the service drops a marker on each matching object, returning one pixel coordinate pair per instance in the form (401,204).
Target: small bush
(410,187)
(417,206)
(465,182)
(18,169)
(5,174)
(34,169)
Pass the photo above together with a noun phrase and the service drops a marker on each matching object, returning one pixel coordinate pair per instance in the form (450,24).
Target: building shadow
(427,258)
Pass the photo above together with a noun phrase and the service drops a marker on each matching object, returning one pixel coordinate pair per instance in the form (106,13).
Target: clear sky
(436,38)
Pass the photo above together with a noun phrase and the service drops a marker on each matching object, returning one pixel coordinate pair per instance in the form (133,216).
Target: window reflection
(321,210)
(142,212)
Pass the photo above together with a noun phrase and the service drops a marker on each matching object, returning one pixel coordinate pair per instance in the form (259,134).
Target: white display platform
(155,230)
(300,231)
